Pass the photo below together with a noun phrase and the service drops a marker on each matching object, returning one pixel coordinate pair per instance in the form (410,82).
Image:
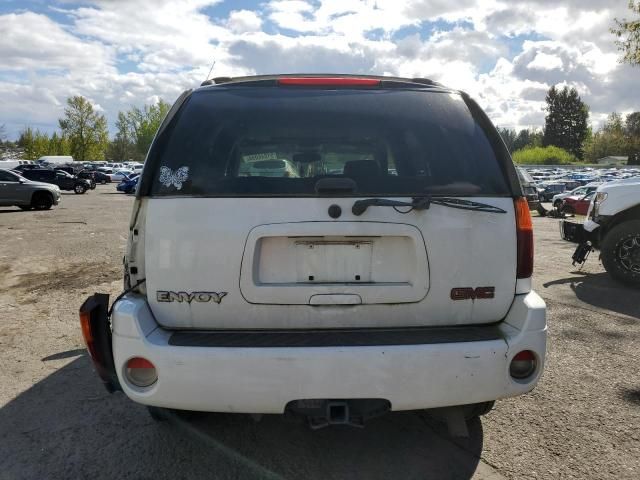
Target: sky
(124,53)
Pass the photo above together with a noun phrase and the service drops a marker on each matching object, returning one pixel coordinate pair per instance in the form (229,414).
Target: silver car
(16,190)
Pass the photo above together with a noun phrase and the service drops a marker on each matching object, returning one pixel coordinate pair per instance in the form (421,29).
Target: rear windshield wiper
(423,203)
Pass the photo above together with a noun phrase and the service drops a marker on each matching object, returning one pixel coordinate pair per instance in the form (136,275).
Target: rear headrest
(361,168)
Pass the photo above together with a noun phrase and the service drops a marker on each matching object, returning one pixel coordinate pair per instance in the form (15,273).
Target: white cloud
(544,61)
(119,53)
(241,21)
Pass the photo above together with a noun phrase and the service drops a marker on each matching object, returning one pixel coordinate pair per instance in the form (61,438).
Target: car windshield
(274,141)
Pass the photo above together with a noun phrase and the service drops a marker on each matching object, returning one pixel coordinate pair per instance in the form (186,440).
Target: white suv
(390,271)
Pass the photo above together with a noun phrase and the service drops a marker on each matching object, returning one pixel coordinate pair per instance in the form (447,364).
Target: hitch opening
(324,412)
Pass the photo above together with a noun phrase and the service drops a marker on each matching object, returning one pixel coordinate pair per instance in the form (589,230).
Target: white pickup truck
(613,227)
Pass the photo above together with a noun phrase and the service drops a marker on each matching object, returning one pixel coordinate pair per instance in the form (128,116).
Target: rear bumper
(264,379)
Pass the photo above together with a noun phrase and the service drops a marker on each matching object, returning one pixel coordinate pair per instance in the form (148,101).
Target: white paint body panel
(214,244)
(264,380)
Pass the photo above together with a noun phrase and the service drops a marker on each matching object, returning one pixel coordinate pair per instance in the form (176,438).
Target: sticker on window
(256,157)
(170,178)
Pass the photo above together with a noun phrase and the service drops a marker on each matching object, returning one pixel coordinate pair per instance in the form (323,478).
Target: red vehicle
(577,204)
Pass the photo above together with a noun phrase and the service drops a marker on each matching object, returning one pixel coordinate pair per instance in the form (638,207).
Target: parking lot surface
(58,422)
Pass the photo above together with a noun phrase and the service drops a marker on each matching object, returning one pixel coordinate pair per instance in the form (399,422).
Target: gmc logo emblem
(466,293)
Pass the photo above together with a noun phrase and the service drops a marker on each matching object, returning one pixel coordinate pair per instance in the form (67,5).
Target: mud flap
(96,330)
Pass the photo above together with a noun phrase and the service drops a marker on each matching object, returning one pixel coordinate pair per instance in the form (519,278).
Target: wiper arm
(423,203)
(360,206)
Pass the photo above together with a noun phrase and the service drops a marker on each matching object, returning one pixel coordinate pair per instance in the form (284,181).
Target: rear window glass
(269,141)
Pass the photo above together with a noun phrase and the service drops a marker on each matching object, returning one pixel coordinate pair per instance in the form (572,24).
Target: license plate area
(333,261)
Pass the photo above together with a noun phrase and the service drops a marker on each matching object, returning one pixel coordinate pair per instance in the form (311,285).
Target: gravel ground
(56,420)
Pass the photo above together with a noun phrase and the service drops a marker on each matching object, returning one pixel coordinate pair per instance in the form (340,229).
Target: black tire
(620,252)
(557,204)
(42,201)
(476,410)
(25,207)
(79,189)
(93,185)
(568,210)
(103,182)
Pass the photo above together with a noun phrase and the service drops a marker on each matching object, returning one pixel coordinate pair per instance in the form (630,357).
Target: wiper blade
(423,203)
(466,205)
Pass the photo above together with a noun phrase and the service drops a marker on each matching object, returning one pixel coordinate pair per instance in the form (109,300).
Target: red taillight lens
(329,81)
(524,232)
(523,365)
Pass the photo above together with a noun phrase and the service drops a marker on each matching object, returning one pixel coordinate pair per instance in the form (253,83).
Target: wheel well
(632,213)
(39,193)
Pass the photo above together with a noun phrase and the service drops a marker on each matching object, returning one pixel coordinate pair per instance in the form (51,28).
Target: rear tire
(568,210)
(79,189)
(42,201)
(620,252)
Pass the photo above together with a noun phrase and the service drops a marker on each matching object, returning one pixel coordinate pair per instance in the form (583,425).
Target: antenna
(210,70)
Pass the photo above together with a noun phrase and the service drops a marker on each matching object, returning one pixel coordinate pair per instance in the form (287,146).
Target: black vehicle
(27,166)
(58,177)
(88,175)
(101,177)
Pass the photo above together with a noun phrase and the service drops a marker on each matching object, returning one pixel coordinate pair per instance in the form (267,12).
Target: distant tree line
(83,133)
(567,137)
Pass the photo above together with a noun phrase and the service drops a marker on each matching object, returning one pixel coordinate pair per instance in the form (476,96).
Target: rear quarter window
(274,141)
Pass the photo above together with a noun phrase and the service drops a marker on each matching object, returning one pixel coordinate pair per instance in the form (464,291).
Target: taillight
(524,233)
(523,365)
(87,335)
(329,81)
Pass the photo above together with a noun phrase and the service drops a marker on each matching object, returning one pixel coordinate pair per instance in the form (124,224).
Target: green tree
(627,33)
(122,147)
(26,141)
(508,137)
(566,122)
(527,138)
(85,129)
(632,124)
(144,123)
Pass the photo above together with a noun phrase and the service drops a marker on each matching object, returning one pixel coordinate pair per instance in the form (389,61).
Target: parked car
(119,175)
(129,184)
(24,166)
(15,190)
(55,160)
(613,227)
(529,189)
(551,189)
(576,192)
(333,296)
(576,204)
(59,178)
(101,177)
